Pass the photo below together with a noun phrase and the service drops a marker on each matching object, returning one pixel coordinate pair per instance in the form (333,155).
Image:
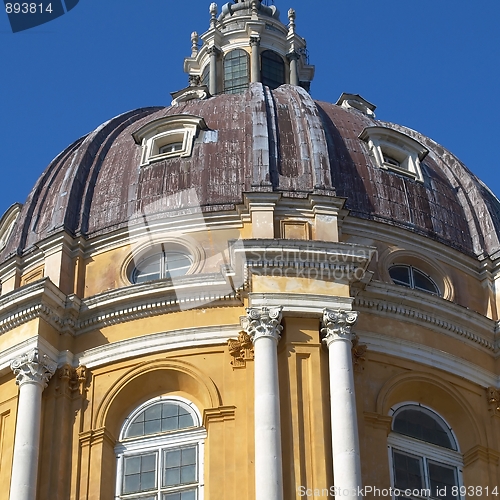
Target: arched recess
(151,379)
(438,395)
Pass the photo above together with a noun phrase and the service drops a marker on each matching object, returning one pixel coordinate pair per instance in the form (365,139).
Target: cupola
(246,43)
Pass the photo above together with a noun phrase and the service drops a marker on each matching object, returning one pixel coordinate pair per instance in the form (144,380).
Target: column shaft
(345,440)
(263,326)
(254,60)
(213,71)
(27,443)
(345,437)
(268,460)
(294,72)
(33,371)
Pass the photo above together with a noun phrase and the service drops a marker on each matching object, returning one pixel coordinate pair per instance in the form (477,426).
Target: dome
(262,140)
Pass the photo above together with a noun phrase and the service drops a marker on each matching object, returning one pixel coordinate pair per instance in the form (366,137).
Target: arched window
(160,452)
(236,75)
(424,455)
(412,277)
(169,263)
(273,69)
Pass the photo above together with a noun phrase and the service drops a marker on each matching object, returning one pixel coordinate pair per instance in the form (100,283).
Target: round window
(412,277)
(161,265)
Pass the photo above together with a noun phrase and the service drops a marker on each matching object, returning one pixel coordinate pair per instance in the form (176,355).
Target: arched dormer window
(160,452)
(273,69)
(424,455)
(236,74)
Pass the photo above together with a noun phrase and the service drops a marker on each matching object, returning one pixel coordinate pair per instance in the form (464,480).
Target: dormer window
(168,137)
(395,151)
(173,147)
(389,160)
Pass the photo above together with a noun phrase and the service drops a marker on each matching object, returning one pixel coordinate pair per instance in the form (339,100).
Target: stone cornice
(428,311)
(69,314)
(393,235)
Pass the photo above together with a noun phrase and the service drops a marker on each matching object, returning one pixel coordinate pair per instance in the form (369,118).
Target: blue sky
(430,65)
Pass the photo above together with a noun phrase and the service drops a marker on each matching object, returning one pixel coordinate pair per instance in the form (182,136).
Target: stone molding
(33,367)
(483,454)
(337,325)
(428,320)
(221,414)
(263,322)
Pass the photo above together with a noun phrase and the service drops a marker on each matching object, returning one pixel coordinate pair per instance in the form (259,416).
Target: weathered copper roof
(266,140)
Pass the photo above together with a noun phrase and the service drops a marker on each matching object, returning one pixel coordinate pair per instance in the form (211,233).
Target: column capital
(254,41)
(337,325)
(213,50)
(293,56)
(263,322)
(33,367)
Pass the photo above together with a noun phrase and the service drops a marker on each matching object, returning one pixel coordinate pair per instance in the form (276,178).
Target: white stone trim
(429,311)
(156,343)
(300,304)
(428,356)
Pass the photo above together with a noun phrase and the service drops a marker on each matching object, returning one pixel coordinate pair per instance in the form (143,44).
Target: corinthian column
(33,371)
(263,326)
(345,440)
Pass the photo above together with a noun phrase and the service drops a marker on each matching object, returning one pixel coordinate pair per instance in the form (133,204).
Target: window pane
(160,417)
(407,472)
(423,282)
(443,478)
(181,495)
(420,425)
(236,77)
(400,275)
(273,69)
(179,466)
(139,473)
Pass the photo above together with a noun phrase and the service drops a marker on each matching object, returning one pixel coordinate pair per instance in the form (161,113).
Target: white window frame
(134,446)
(425,451)
(402,148)
(168,130)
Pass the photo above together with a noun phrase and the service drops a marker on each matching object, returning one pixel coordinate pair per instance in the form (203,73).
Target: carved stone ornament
(72,380)
(33,367)
(337,325)
(241,350)
(494,400)
(358,351)
(263,322)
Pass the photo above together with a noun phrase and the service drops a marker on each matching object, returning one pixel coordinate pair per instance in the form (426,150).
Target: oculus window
(236,74)
(424,455)
(412,277)
(169,263)
(160,452)
(273,69)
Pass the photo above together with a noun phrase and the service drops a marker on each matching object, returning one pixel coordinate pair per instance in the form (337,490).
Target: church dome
(261,140)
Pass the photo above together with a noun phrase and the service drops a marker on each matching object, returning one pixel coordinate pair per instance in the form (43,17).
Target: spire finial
(291,17)
(213,14)
(194,44)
